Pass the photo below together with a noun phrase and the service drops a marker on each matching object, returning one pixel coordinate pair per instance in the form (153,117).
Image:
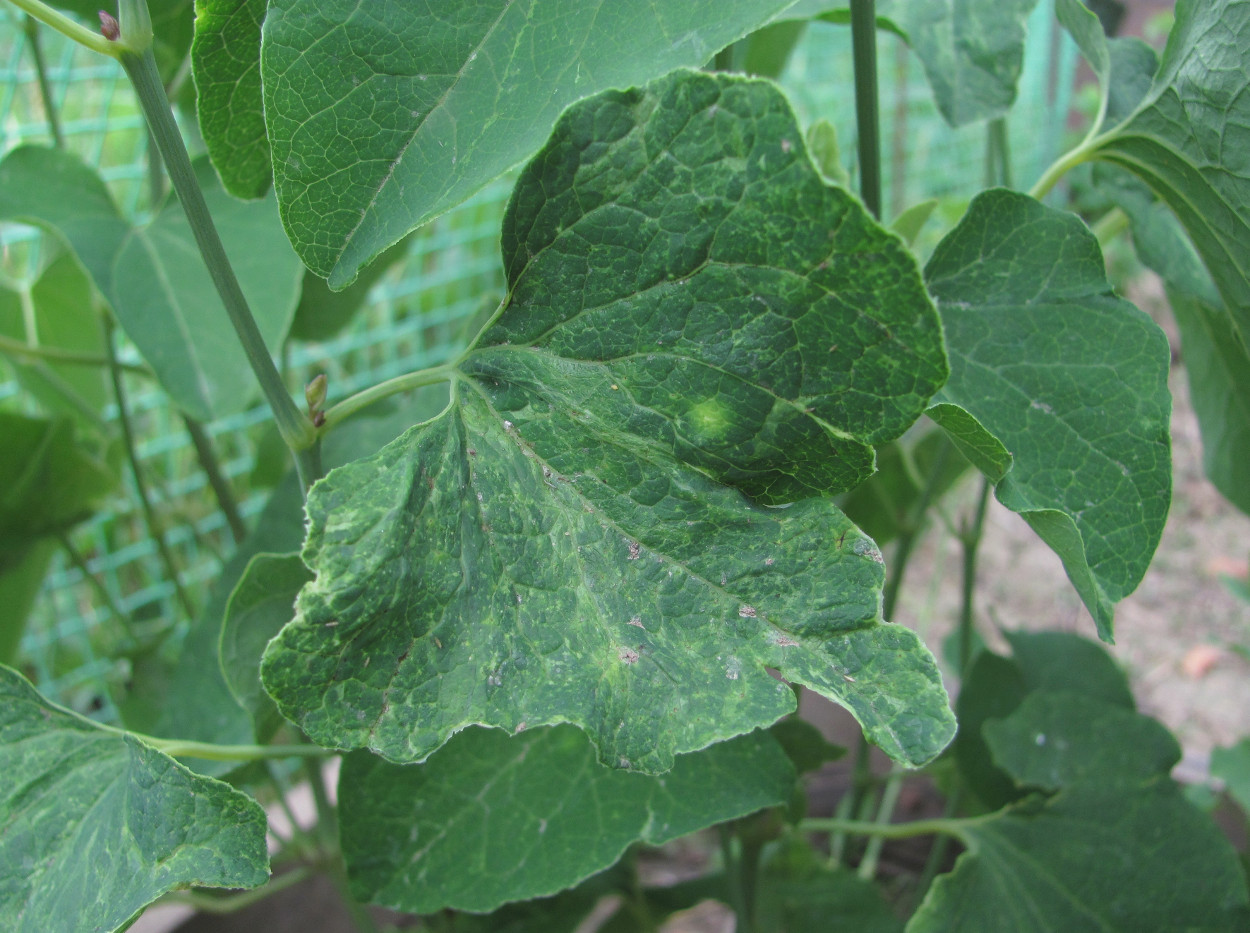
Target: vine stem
(78,560)
(867,118)
(216,478)
(297,430)
(45,89)
(947,827)
(59,355)
(155,530)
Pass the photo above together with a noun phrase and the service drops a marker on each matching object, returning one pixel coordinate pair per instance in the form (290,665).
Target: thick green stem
(1109,226)
(45,89)
(296,430)
(156,177)
(68,27)
(1060,167)
(216,478)
(155,530)
(867,117)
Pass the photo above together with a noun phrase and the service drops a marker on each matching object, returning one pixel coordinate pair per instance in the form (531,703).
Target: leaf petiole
(405,383)
(69,28)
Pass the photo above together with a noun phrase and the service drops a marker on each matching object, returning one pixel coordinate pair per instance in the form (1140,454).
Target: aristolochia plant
(569,607)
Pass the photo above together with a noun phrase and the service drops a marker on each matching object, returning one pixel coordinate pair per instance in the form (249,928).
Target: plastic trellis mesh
(417,316)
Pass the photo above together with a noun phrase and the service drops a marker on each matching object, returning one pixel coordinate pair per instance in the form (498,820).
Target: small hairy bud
(109,27)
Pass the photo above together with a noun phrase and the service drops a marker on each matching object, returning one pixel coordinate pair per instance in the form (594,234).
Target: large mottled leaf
(59,309)
(153,276)
(1053,740)
(95,824)
(48,482)
(684,292)
(225,59)
(1189,138)
(972,51)
(494,818)
(1092,859)
(1217,362)
(384,115)
(1071,379)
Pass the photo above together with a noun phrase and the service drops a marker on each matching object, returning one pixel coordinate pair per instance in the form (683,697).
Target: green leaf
(1232,766)
(992,688)
(199,704)
(1188,138)
(494,818)
(153,277)
(766,51)
(225,59)
(20,582)
(95,825)
(48,482)
(800,894)
(1071,379)
(972,51)
(261,603)
(1093,858)
(822,142)
(1064,662)
(1216,360)
(910,222)
(883,505)
(543,551)
(1054,740)
(804,744)
(384,116)
(322,313)
(64,317)
(1133,67)
(1086,30)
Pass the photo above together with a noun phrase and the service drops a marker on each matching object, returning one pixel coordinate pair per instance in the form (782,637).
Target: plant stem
(59,355)
(737,886)
(949,827)
(971,541)
(937,853)
(296,430)
(156,178)
(340,412)
(211,904)
(1110,225)
(909,532)
(76,558)
(872,853)
(867,118)
(68,27)
(327,826)
(1060,167)
(178,748)
(155,530)
(45,90)
(997,154)
(216,479)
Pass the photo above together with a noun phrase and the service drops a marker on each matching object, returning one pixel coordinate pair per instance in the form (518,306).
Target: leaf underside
(685,292)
